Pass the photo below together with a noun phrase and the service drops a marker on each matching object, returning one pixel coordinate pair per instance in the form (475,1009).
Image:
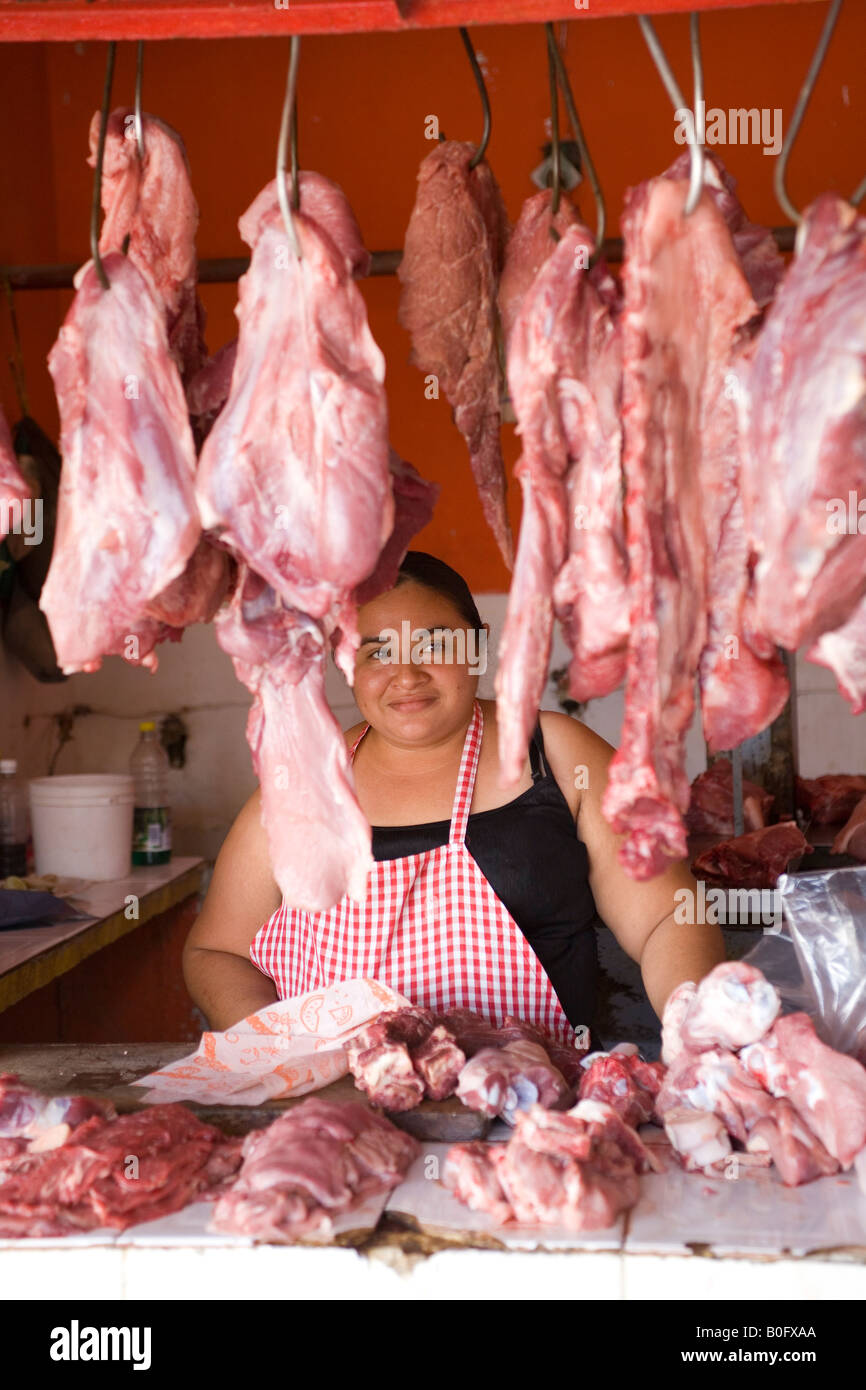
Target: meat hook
(554,127)
(580,141)
(803,99)
(97,177)
(485,100)
(665,72)
(288,130)
(139,127)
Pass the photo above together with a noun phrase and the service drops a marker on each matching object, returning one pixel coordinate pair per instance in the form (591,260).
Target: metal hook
(779,188)
(139,128)
(580,141)
(485,100)
(97,177)
(290,117)
(665,72)
(554,125)
(857,195)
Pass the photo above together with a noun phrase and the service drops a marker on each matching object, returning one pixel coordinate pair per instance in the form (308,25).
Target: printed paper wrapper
(286,1049)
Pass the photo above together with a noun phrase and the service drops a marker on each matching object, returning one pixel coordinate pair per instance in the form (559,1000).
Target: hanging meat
(151,213)
(530,244)
(806,429)
(563,375)
(414,501)
(686,303)
(452,259)
(294,474)
(844,652)
(127,521)
(324,202)
(743,682)
(14,491)
(318,837)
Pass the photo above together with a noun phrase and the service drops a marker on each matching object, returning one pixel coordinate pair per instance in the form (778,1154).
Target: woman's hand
(641,915)
(242,895)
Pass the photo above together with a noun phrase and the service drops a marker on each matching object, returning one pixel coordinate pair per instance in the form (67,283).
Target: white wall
(196,680)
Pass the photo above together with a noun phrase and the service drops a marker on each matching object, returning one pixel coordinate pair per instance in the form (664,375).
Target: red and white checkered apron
(431,927)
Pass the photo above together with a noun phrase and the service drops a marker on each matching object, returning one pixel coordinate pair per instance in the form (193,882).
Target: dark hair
(442,579)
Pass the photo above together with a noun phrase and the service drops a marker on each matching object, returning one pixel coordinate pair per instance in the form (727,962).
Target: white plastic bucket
(82,825)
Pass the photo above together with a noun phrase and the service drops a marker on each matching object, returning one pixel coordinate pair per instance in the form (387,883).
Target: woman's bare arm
(242,895)
(643,916)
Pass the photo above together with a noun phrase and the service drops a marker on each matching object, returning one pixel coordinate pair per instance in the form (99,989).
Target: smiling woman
(481,896)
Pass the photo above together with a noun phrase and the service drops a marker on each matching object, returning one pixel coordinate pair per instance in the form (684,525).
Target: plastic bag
(818,961)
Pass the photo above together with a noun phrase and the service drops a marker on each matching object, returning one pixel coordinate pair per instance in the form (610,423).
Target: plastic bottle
(151,828)
(14,821)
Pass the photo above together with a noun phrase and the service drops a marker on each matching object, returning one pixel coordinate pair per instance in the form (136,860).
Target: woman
(480,896)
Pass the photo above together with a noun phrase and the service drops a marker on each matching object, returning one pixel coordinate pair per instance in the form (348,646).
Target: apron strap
(353,750)
(466,778)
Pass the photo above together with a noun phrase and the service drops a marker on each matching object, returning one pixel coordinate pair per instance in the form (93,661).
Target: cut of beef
(402,1056)
(564,378)
(471,1174)
(439,1062)
(829,800)
(578,1170)
(294,473)
(28,1114)
(686,303)
(851,839)
(127,521)
(826,1088)
(755,860)
(502,1081)
(711,808)
(151,214)
(316,1162)
(623,1081)
(196,595)
(743,681)
(88,1182)
(530,244)
(453,254)
(414,501)
(844,652)
(806,433)
(319,839)
(734,1005)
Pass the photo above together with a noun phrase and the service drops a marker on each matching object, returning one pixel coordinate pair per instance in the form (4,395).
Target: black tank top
(532,857)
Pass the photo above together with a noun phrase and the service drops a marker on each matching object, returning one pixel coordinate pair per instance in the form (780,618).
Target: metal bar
(29,21)
(226,269)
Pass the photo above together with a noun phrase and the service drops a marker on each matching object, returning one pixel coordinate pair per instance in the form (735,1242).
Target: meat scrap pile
(406,1055)
(683,439)
(738,1074)
(70,1164)
(316,1162)
(578,1169)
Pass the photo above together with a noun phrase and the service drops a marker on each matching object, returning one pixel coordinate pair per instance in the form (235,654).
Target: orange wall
(362,104)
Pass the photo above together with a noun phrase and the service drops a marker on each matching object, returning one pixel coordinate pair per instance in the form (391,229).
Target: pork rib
(686,300)
(453,254)
(127,521)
